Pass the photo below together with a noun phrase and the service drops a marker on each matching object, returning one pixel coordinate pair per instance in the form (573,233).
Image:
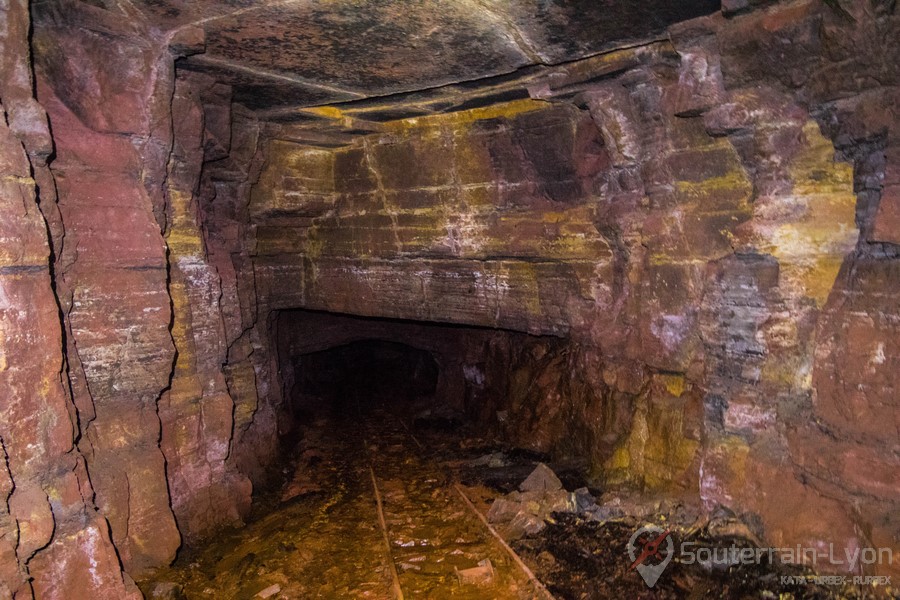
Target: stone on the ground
(167,590)
(602,514)
(524,513)
(584,500)
(541,479)
(269,591)
(483,574)
(504,509)
(543,503)
(523,524)
(493,460)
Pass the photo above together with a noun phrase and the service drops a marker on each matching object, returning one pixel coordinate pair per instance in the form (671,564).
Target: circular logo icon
(651,549)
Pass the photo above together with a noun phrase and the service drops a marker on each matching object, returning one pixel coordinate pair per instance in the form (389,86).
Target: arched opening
(350,379)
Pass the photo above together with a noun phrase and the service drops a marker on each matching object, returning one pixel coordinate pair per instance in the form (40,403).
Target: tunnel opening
(349,380)
(426,374)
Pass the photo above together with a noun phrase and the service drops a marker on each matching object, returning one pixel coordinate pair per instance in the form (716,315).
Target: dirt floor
(372,507)
(323,536)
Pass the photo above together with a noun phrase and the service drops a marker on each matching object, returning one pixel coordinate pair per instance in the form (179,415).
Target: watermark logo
(651,550)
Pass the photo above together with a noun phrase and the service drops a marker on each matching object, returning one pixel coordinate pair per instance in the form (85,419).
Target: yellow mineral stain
(814,170)
(522,278)
(734,450)
(184,237)
(734,181)
(675,384)
(812,246)
(185,243)
(792,374)
(314,246)
(243,390)
(620,460)
(656,455)
(17,179)
(668,453)
(467,117)
(329,112)
(4,365)
(185,388)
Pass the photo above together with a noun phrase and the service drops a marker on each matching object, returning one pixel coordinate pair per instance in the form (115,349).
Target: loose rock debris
(269,591)
(319,536)
(483,574)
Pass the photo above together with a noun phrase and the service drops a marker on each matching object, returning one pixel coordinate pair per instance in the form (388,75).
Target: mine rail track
(522,572)
(398,591)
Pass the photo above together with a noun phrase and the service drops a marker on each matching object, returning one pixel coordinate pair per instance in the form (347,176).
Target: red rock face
(50,530)
(112,275)
(196,412)
(159,340)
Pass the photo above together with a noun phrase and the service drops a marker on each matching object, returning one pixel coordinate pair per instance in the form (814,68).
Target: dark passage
(337,365)
(356,376)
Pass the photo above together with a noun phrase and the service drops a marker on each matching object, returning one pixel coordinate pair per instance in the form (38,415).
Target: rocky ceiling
(333,69)
(308,52)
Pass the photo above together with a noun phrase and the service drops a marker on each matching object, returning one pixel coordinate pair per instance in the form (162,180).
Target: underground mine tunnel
(449,299)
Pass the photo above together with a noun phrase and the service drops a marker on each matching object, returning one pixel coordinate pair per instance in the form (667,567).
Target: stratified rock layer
(113,279)
(53,541)
(709,228)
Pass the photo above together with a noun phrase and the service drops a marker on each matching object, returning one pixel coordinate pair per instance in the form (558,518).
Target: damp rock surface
(325,540)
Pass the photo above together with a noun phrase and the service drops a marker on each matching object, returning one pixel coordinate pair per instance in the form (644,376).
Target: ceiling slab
(564,30)
(281,55)
(262,89)
(376,47)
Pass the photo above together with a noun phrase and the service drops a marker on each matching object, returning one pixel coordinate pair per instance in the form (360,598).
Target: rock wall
(53,539)
(196,411)
(842,438)
(474,242)
(232,160)
(134,370)
(112,135)
(710,230)
(162,324)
